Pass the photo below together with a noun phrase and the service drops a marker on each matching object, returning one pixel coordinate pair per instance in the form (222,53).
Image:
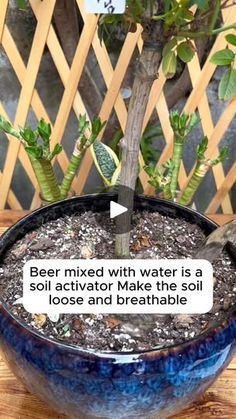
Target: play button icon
(121,210)
(116,209)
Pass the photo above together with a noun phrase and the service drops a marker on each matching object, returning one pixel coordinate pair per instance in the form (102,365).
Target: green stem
(199,173)
(167,192)
(215,15)
(177,157)
(189,34)
(69,176)
(46,179)
(223,29)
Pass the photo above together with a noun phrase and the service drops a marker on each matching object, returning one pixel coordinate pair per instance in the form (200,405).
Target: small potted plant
(106,366)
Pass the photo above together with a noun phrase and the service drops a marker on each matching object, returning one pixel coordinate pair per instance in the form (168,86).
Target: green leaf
(150,170)
(227,86)
(116,176)
(222,156)
(231,39)
(202,4)
(29,136)
(148,145)
(97,126)
(7,127)
(185,15)
(21,4)
(169,46)
(202,148)
(35,151)
(44,130)
(169,64)
(185,51)
(114,144)
(193,121)
(105,160)
(223,57)
(57,150)
(83,124)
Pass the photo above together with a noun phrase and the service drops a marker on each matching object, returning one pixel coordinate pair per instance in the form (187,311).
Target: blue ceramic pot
(87,384)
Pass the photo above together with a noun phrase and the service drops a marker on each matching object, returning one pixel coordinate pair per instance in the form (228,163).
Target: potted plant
(163,377)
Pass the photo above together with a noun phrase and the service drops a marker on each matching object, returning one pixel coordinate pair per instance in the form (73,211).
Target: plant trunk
(194,183)
(71,171)
(177,158)
(167,192)
(46,179)
(146,74)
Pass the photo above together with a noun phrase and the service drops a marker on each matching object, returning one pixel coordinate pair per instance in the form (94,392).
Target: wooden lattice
(70,76)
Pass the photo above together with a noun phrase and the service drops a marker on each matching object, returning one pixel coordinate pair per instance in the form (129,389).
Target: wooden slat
(218,133)
(37,105)
(64,72)
(12,199)
(74,77)
(208,68)
(46,11)
(226,185)
(4,5)
(208,128)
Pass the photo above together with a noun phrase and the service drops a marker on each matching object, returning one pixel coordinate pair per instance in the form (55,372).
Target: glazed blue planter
(87,384)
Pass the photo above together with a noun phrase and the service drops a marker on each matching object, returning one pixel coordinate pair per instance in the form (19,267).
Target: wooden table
(17,403)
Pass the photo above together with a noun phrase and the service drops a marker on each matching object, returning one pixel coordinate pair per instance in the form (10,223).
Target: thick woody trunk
(146,74)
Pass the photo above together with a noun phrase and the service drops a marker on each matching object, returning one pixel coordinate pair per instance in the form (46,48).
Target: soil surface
(90,235)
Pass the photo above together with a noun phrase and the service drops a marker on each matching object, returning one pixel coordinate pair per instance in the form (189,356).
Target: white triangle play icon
(116,209)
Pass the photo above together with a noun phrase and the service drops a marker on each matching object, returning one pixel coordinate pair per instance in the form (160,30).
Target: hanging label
(105,6)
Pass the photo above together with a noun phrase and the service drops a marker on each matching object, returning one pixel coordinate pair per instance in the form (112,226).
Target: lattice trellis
(113,77)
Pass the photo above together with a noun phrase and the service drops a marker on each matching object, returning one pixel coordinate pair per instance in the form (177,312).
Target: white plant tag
(105,6)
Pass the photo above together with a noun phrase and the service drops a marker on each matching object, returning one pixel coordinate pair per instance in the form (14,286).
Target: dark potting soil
(90,235)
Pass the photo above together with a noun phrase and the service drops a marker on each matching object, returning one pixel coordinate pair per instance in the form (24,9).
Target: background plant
(165,177)
(226,57)
(169,30)
(201,168)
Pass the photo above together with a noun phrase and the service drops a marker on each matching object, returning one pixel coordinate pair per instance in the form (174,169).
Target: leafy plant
(147,144)
(149,151)
(106,158)
(165,177)
(106,162)
(226,57)
(182,125)
(37,144)
(161,177)
(169,29)
(202,167)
